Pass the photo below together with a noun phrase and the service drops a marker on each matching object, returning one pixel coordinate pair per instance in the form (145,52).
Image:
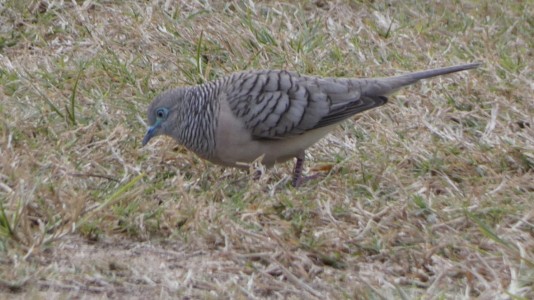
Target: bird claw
(300,181)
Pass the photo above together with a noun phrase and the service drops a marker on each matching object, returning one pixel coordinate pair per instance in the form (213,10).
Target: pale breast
(234,142)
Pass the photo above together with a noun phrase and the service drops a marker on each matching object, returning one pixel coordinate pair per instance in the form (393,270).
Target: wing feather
(279,104)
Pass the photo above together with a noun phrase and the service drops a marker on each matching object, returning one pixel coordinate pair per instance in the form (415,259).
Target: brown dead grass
(429,197)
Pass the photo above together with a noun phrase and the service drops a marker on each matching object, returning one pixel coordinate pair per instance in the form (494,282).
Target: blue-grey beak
(150,133)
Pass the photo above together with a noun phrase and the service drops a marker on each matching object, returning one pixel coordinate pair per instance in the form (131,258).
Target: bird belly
(233,148)
(234,143)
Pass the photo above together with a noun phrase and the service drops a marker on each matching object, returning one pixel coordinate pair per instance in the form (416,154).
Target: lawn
(428,197)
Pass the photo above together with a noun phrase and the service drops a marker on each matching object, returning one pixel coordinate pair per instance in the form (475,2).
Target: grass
(428,197)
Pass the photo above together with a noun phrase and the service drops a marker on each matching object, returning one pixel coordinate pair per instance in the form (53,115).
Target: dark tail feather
(389,85)
(441,71)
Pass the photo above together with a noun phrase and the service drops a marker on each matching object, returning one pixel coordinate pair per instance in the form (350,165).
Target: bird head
(161,112)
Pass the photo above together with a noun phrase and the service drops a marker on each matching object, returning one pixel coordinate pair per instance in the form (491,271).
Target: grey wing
(278,104)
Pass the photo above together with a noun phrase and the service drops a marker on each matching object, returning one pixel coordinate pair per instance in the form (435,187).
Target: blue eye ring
(161,113)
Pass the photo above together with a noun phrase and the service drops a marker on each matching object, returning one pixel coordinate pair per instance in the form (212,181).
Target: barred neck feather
(199,113)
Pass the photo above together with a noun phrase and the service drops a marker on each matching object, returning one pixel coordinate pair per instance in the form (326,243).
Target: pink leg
(298,178)
(297,172)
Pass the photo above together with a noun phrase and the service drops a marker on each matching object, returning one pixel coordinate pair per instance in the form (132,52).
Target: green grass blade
(198,58)
(5,226)
(71,112)
(111,199)
(45,97)
(487,231)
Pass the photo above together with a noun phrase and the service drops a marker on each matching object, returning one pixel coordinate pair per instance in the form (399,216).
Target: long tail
(388,85)
(441,71)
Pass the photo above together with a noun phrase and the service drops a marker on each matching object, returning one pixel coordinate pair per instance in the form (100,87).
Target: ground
(428,197)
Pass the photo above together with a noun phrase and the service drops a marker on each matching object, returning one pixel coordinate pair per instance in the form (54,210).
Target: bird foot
(256,175)
(298,182)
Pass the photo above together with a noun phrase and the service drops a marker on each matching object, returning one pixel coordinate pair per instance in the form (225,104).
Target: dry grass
(429,197)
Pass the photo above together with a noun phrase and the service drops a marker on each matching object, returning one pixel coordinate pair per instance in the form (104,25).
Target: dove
(273,114)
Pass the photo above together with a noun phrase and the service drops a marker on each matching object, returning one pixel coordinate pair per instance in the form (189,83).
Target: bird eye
(161,113)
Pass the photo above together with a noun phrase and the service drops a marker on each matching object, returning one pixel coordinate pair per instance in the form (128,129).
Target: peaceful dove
(276,115)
